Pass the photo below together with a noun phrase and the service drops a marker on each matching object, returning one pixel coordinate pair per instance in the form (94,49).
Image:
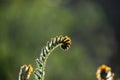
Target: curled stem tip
(63,41)
(25,72)
(104,73)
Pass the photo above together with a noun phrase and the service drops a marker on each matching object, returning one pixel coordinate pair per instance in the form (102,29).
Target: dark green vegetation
(25,25)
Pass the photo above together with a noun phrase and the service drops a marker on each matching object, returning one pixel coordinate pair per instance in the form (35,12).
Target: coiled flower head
(104,73)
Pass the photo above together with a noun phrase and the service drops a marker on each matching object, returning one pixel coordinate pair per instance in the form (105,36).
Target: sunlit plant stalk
(63,41)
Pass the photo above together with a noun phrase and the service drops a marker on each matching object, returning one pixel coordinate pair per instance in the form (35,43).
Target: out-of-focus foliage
(26,25)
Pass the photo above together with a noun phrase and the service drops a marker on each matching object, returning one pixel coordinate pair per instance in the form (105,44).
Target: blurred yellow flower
(104,73)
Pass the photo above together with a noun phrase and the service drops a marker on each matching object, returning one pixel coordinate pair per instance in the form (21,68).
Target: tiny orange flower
(30,70)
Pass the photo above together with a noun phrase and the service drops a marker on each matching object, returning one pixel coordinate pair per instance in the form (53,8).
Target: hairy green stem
(63,41)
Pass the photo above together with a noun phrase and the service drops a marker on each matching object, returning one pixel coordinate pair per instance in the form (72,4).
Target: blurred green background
(26,26)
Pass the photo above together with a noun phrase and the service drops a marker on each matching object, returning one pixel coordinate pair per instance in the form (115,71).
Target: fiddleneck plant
(63,41)
(103,72)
